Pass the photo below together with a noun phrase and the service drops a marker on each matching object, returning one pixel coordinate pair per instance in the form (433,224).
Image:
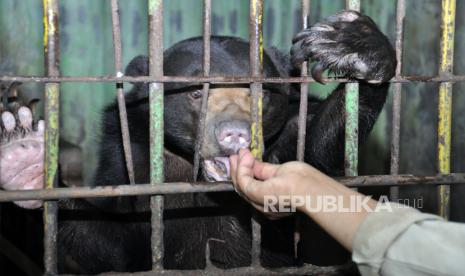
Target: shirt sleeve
(399,240)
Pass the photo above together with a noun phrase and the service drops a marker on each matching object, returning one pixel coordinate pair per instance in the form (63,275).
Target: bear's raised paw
(21,153)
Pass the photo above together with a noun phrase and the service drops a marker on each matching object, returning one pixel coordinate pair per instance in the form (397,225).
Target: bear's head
(228,119)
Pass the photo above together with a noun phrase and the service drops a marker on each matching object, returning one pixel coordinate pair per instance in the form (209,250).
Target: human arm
(254,179)
(397,240)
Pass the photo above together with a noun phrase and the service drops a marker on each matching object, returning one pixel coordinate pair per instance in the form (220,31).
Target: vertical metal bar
(305,5)
(123,117)
(256,70)
(397,98)
(207,8)
(303,91)
(52,101)
(351,117)
(156,127)
(445,100)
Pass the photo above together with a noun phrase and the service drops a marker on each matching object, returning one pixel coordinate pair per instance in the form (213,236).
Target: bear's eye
(197,94)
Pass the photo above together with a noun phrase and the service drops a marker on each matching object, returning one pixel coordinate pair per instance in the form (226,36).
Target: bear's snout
(232,136)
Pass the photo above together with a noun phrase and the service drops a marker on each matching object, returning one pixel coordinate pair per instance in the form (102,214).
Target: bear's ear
(139,66)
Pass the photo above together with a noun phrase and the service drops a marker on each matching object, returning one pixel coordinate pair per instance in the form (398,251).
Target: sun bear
(113,234)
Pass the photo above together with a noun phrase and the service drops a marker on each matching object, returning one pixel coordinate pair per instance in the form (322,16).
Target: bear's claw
(349,43)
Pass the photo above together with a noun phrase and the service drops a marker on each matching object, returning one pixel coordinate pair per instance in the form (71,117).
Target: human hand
(254,180)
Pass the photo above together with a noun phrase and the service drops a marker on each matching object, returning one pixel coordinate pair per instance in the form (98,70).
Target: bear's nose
(232,136)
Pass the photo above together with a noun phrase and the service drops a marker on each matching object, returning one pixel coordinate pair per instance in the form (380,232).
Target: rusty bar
(220,79)
(52,107)
(207,8)
(123,117)
(306,269)
(115,191)
(302,124)
(303,90)
(156,127)
(204,187)
(351,116)
(397,97)
(256,70)
(445,101)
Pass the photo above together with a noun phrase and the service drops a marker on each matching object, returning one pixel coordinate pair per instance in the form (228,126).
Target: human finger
(263,170)
(233,160)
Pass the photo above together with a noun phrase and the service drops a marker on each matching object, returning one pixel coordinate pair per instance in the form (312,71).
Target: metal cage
(157,188)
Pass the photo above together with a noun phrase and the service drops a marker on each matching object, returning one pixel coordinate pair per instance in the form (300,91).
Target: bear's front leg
(349,43)
(21,153)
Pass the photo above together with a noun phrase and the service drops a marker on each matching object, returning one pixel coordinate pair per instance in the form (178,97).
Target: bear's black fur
(190,219)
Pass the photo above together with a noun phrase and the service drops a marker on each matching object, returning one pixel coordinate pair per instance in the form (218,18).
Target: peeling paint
(445,101)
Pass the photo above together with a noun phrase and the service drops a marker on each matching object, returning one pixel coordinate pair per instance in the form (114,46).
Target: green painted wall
(86,49)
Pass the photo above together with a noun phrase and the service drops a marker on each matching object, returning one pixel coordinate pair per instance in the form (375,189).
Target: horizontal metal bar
(201,187)
(307,269)
(233,80)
